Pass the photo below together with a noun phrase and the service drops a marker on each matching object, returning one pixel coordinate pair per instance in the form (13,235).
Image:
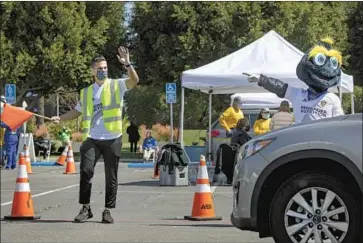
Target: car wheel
(314,207)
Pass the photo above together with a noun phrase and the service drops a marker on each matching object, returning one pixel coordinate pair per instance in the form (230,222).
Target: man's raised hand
(123,55)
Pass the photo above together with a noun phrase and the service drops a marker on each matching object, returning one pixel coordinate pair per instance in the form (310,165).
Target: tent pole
(181,126)
(352,103)
(210,127)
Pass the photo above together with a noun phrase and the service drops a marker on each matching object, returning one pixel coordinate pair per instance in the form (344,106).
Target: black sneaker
(84,214)
(106,217)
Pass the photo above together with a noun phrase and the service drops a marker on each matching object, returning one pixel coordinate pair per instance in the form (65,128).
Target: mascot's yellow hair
(330,53)
(328,40)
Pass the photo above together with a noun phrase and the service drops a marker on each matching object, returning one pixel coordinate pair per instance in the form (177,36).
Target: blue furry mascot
(320,69)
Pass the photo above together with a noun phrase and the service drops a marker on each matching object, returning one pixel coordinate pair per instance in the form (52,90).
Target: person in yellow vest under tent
(283,117)
(262,124)
(101,108)
(229,118)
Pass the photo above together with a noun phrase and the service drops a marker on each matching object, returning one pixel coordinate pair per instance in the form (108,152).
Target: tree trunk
(40,121)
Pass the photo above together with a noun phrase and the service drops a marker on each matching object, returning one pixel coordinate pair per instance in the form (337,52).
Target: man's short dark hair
(97,59)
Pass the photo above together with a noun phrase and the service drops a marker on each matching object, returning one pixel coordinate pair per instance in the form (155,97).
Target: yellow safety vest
(111,107)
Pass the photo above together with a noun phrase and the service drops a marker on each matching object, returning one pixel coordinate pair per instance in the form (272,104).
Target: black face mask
(101,75)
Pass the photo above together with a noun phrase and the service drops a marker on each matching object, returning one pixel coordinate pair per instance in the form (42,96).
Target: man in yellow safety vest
(101,108)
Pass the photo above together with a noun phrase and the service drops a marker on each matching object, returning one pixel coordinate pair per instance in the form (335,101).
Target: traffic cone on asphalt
(22,208)
(62,159)
(203,206)
(71,167)
(27,160)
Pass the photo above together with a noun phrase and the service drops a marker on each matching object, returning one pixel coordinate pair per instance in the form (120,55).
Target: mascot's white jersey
(325,105)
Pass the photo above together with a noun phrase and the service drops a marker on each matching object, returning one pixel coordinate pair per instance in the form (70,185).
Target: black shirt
(240,137)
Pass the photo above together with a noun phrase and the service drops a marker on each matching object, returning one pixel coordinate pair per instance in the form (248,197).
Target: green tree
(171,37)
(145,105)
(358,101)
(355,23)
(304,23)
(14,64)
(50,44)
(113,14)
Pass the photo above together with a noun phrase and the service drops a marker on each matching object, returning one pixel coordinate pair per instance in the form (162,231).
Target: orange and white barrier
(71,167)
(203,205)
(22,206)
(27,160)
(62,159)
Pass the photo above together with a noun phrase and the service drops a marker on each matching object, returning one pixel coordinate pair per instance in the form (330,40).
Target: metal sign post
(170,89)
(25,105)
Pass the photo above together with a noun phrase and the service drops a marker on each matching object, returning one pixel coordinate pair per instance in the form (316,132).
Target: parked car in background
(302,183)
(252,105)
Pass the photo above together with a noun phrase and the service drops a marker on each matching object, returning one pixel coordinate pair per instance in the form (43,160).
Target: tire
(319,182)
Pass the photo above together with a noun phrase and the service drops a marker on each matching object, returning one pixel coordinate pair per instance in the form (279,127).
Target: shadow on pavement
(195,225)
(141,183)
(47,221)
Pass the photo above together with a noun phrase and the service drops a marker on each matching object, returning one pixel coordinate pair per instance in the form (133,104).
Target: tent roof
(270,55)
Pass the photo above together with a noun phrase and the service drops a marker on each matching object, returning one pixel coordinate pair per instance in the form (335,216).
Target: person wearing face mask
(101,108)
(262,124)
(231,115)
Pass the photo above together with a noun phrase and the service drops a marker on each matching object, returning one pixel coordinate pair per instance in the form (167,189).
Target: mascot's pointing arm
(273,85)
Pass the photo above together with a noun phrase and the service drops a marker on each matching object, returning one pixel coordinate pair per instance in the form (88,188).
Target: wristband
(128,65)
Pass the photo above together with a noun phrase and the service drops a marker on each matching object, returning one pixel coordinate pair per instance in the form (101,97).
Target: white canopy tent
(270,55)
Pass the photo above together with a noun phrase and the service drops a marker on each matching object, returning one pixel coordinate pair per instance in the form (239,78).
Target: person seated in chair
(149,146)
(240,135)
(43,144)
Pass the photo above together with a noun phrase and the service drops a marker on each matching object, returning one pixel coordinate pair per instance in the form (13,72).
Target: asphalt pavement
(145,211)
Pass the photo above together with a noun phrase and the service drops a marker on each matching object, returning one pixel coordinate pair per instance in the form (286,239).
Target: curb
(45,164)
(140,165)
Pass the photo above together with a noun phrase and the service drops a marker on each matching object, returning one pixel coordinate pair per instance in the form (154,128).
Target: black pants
(133,146)
(91,151)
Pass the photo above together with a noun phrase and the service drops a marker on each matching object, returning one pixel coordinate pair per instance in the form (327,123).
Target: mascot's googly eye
(334,62)
(320,59)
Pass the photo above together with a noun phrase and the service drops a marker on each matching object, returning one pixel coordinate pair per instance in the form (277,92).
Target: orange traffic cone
(62,159)
(71,167)
(22,208)
(27,160)
(203,206)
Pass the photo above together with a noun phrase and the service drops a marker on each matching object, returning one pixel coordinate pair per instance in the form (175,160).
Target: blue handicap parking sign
(170,89)
(10,93)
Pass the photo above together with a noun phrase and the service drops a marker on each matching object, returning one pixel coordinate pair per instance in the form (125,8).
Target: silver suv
(302,183)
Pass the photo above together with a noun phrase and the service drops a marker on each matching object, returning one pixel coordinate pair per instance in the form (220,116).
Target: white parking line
(44,193)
